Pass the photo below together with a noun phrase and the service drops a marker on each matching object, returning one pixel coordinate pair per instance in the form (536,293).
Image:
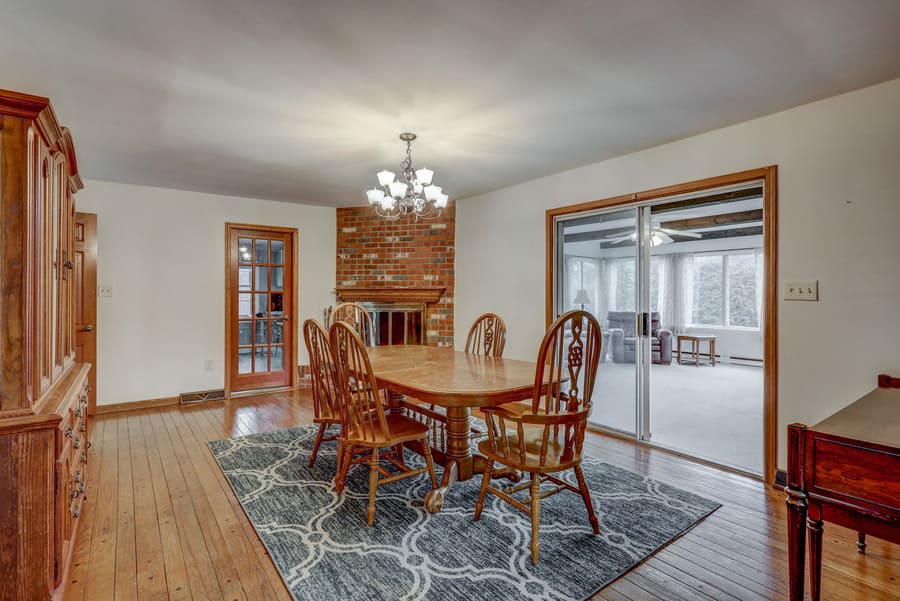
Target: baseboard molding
(236,394)
(135,405)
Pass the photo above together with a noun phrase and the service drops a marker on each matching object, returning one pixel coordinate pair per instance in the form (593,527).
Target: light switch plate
(104,291)
(806,290)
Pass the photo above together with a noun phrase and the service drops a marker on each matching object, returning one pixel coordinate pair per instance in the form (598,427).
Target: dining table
(441,387)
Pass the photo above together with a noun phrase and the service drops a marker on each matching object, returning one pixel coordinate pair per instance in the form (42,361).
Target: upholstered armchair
(623,341)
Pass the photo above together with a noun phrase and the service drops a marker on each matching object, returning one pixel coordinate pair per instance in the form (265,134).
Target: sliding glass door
(677,286)
(600,275)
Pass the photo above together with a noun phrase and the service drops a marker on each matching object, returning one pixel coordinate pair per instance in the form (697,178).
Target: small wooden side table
(695,340)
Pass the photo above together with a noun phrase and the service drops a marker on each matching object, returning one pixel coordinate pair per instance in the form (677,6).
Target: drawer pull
(68,431)
(77,443)
(77,477)
(78,411)
(82,427)
(77,511)
(88,444)
(83,457)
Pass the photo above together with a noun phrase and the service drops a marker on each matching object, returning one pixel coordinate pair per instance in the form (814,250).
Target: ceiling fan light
(424,176)
(385,177)
(374,195)
(398,189)
(432,192)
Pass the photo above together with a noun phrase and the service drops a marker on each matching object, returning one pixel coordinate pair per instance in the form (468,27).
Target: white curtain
(666,290)
(683,291)
(587,273)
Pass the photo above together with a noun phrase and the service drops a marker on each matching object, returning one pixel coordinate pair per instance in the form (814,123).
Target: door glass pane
(245,360)
(598,274)
(245,250)
(277,252)
(710,403)
(244,333)
(262,252)
(277,278)
(262,278)
(245,305)
(277,358)
(261,359)
(262,332)
(277,331)
(277,304)
(262,305)
(244,278)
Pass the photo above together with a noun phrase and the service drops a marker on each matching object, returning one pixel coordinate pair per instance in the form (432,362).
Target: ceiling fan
(658,235)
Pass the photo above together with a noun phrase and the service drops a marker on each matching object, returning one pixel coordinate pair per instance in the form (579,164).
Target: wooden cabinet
(43,391)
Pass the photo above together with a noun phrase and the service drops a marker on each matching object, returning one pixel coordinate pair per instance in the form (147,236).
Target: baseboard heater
(746,361)
(189,398)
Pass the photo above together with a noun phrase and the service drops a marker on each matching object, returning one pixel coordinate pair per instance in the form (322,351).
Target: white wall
(163,253)
(839,215)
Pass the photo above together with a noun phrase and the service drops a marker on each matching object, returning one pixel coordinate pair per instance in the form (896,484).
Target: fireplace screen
(397,323)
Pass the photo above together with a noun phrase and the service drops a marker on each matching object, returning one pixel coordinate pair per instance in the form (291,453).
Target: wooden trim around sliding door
(769,177)
(294,233)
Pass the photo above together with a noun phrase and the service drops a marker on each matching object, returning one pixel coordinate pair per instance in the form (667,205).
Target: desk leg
(679,350)
(796,505)
(459,458)
(814,527)
(696,347)
(712,352)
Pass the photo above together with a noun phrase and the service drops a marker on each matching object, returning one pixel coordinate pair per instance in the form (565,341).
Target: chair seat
(509,453)
(400,429)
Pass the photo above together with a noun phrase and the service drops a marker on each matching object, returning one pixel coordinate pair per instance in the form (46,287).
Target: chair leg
(373,484)
(346,455)
(429,462)
(535,516)
(586,496)
(315,449)
(485,482)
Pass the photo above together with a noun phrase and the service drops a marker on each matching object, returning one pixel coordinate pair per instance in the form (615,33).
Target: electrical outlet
(801,290)
(104,291)
(209,365)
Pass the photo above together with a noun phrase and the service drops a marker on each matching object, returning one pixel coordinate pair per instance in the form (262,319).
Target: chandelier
(412,193)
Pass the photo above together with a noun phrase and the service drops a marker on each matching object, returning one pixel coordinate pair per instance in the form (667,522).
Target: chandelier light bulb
(388,203)
(432,192)
(385,177)
(441,201)
(398,189)
(424,176)
(375,196)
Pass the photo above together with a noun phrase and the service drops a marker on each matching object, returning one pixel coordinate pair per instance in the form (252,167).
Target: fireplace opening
(396,323)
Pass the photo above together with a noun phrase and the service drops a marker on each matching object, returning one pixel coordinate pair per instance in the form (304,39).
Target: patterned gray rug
(324,550)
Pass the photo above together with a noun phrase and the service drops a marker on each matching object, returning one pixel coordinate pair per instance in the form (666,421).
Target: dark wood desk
(844,470)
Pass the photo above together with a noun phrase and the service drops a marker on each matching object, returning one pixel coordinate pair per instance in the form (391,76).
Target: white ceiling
(302,100)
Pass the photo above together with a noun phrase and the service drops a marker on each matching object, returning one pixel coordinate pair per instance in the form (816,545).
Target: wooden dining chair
(549,438)
(326,406)
(357,316)
(487,336)
(365,425)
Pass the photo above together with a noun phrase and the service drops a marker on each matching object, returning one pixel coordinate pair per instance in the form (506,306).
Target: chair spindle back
(326,402)
(487,336)
(363,412)
(357,316)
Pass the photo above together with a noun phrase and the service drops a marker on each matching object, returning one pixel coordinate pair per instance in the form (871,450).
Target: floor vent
(188,398)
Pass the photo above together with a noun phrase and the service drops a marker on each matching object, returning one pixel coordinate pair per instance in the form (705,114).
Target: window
(622,283)
(725,290)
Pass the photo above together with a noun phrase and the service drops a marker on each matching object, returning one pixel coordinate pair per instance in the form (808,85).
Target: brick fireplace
(402,262)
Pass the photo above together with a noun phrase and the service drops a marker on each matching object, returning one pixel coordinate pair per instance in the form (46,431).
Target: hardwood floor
(162,523)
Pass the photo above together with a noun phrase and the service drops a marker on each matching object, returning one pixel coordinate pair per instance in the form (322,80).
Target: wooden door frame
(294,234)
(769,176)
(89,297)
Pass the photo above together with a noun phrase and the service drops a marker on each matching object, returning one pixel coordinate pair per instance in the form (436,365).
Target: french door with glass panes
(260,301)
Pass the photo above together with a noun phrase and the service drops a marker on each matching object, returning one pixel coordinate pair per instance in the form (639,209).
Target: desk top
(450,378)
(874,418)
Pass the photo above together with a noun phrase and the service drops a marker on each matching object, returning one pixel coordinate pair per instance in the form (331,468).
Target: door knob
(86,329)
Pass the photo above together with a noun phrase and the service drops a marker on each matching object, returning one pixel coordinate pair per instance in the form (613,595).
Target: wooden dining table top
(451,378)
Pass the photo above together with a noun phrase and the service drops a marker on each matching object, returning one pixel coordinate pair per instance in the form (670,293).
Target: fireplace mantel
(395,294)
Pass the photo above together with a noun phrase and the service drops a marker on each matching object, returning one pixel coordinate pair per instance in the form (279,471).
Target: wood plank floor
(161,522)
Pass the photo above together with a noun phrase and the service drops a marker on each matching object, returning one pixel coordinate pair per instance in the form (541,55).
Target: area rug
(323,549)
